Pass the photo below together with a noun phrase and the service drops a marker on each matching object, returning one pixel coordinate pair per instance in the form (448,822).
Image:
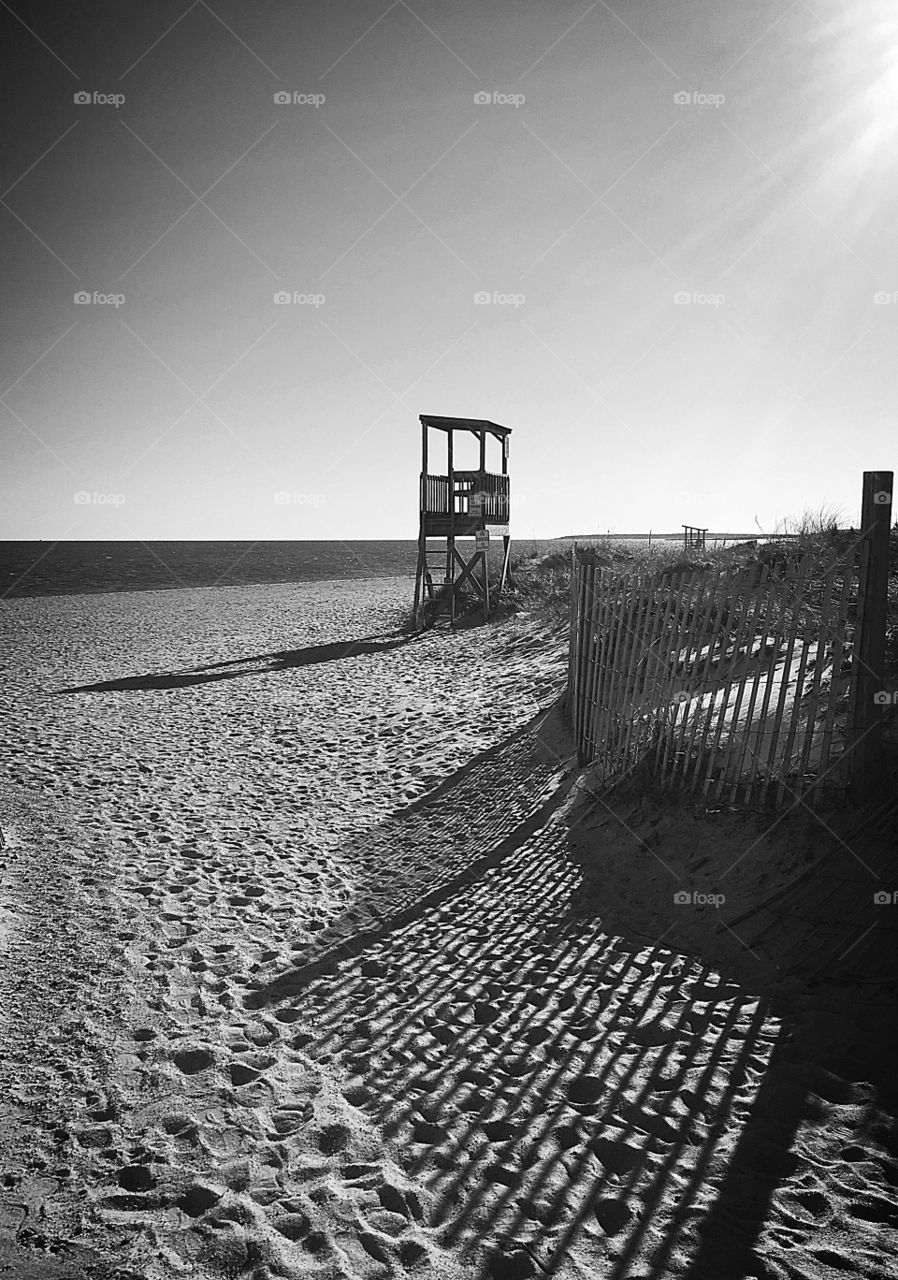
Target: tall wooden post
(865,734)
(506,540)
(486,555)
(422,537)
(450,541)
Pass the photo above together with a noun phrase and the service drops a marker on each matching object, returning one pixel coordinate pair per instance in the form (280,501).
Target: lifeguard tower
(469,505)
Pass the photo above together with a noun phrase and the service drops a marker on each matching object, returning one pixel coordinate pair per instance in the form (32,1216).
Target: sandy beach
(309,969)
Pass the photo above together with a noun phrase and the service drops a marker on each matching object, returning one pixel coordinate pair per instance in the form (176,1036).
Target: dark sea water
(64,568)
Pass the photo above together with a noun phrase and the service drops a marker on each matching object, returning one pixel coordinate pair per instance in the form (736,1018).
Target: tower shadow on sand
(257,664)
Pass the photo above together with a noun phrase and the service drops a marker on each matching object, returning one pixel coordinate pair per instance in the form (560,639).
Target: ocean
(73,568)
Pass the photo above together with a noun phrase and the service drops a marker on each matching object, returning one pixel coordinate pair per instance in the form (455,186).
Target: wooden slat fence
(732,682)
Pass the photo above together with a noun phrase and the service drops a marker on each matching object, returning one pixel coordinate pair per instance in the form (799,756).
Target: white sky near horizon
(193,408)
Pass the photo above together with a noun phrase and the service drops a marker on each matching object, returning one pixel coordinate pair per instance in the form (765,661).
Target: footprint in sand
(198,1199)
(585,1091)
(332,1138)
(472,1100)
(876,1210)
(193,1059)
(180,1126)
(617,1157)
(136,1177)
(568,1136)
(293,1226)
(288,1015)
(242,1073)
(357,1095)
(804,1208)
(613,1216)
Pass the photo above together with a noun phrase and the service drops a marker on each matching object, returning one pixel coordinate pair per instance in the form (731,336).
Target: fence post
(569,698)
(865,739)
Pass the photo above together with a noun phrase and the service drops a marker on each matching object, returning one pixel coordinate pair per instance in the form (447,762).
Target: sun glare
(868,41)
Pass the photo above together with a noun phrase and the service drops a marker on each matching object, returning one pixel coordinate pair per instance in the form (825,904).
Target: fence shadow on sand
(573,1101)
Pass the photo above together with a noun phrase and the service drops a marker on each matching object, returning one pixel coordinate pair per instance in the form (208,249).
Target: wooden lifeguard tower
(468,505)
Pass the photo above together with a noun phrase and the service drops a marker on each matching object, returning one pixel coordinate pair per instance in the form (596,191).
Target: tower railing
(494,489)
(436,495)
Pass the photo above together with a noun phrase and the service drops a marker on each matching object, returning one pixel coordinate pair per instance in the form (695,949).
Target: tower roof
(464,424)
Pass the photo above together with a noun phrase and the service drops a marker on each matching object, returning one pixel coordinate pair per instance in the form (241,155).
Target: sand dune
(299,975)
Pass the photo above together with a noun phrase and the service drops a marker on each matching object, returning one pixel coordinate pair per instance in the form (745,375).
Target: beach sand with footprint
(297,982)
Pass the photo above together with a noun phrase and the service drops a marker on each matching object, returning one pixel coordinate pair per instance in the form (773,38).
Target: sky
(655,240)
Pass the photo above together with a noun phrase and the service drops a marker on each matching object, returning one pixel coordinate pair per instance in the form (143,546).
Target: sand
(306,972)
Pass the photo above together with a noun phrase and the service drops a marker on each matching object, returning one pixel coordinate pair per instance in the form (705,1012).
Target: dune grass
(541,569)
